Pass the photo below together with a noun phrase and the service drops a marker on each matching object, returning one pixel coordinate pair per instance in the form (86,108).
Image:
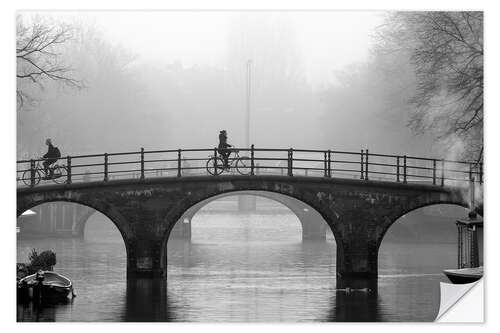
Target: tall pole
(247,203)
(249,95)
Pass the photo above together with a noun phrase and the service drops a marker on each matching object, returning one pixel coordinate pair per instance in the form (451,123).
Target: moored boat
(464,275)
(44,285)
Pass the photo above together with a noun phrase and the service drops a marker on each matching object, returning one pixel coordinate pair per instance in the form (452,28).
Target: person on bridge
(223,148)
(50,157)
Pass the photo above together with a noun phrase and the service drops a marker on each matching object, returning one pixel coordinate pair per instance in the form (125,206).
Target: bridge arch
(192,207)
(111,213)
(82,222)
(424,236)
(314,227)
(418,204)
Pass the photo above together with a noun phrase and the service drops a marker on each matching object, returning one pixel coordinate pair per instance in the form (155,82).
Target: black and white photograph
(246,166)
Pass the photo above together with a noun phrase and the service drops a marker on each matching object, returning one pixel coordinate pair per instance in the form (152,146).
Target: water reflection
(260,279)
(147,300)
(352,300)
(41,311)
(356,300)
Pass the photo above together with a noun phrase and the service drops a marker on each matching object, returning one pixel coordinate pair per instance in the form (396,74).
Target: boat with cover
(44,285)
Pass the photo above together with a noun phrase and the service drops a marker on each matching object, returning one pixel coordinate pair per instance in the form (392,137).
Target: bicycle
(242,164)
(59,173)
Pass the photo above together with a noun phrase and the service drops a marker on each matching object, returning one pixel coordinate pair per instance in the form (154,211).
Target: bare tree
(39,58)
(446,50)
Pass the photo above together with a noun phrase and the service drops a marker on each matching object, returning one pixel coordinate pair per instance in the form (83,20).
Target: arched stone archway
(422,240)
(413,207)
(55,219)
(313,225)
(112,213)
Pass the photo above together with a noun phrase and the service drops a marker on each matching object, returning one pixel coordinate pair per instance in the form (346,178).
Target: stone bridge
(145,211)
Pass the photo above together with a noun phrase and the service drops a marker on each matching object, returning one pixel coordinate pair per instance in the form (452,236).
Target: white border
(7,100)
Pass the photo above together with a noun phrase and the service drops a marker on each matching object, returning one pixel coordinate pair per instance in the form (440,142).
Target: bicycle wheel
(244,165)
(60,174)
(215,166)
(27,177)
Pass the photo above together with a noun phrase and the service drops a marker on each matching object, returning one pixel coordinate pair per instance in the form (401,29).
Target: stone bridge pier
(145,211)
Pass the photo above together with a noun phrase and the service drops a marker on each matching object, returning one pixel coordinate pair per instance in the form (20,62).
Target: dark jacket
(223,141)
(52,152)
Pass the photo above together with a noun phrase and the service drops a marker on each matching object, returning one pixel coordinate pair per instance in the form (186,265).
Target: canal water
(240,268)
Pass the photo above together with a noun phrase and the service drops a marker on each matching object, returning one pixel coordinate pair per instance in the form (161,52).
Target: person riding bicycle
(50,157)
(223,148)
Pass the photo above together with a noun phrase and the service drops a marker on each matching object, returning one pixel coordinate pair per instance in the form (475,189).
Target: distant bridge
(359,194)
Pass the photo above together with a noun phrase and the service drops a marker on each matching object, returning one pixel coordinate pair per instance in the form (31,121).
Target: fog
(166,79)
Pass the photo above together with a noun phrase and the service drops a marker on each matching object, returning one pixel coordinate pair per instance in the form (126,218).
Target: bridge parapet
(252,161)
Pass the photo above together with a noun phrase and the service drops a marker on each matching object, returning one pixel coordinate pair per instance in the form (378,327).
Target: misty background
(167,80)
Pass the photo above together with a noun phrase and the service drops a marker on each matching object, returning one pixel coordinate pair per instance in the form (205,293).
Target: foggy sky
(328,40)
(170,79)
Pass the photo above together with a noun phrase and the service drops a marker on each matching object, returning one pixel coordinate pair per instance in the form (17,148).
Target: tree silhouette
(446,50)
(39,57)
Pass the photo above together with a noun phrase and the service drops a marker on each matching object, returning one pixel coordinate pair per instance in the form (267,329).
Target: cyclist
(50,157)
(223,148)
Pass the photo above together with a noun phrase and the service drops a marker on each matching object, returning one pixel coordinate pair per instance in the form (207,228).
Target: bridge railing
(142,164)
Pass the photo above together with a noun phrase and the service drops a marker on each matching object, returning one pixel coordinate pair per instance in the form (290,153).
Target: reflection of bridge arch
(313,225)
(145,210)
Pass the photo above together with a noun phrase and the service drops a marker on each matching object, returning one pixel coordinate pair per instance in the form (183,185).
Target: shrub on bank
(46,261)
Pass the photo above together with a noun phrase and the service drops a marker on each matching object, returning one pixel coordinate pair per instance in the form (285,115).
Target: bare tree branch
(38,47)
(446,50)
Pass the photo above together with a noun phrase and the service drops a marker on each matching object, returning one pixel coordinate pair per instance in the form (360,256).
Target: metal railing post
(215,161)
(105,167)
(179,166)
(397,168)
(32,173)
(68,167)
(442,172)
(290,162)
(362,164)
(142,163)
(434,172)
(325,167)
(252,161)
(366,165)
(329,163)
(404,170)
